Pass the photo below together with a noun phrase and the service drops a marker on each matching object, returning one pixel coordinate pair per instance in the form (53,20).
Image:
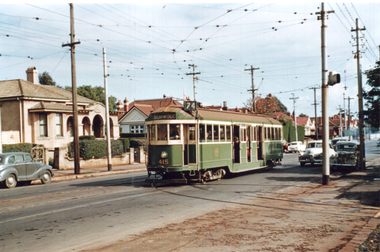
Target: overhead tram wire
(364,25)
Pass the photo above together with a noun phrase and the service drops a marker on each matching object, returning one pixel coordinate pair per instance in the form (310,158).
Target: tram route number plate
(163,161)
(190,105)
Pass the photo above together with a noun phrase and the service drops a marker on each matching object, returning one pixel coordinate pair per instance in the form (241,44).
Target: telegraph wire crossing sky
(150,48)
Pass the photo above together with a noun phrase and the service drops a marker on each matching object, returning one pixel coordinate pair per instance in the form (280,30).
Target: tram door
(190,147)
(236,143)
(259,141)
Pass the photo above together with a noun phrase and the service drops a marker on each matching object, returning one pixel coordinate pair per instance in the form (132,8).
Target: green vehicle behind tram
(205,144)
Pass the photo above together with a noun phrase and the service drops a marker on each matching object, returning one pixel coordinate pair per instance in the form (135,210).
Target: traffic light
(334,78)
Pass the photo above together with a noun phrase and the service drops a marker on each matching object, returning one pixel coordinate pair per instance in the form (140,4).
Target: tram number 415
(190,105)
(163,161)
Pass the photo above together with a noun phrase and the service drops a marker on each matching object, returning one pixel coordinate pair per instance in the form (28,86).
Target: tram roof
(173,112)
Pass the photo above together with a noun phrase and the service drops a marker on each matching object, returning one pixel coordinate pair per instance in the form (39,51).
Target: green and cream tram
(206,144)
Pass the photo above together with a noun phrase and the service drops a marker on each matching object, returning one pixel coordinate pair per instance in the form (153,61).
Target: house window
(43,125)
(137,129)
(58,124)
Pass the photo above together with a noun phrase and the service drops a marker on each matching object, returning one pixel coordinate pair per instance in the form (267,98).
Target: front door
(190,145)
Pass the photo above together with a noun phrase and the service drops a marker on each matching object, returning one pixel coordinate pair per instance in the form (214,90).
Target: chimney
(31,75)
(225,106)
(119,106)
(126,103)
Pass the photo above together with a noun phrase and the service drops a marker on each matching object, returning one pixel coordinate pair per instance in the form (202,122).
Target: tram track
(293,202)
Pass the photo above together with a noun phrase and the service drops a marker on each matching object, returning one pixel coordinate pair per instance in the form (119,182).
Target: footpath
(305,217)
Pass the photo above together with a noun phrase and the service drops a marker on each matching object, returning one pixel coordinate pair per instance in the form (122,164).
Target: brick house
(39,114)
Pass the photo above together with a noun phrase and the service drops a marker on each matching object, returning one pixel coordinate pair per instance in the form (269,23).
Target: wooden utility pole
(108,130)
(360,98)
(194,78)
(294,111)
(74,91)
(349,113)
(253,88)
(315,113)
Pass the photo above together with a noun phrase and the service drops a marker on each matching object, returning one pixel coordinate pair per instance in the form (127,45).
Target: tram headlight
(164,154)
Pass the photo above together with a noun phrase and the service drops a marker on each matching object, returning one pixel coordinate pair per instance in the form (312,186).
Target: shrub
(89,137)
(126,143)
(21,147)
(89,149)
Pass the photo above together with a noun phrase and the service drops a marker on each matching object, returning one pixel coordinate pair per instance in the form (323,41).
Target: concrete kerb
(62,175)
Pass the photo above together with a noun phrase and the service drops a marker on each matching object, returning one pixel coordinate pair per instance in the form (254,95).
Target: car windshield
(293,144)
(346,147)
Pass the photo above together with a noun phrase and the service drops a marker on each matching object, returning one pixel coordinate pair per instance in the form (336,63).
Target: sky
(150,48)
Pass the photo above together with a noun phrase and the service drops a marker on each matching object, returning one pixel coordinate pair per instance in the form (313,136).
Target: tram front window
(175,131)
(162,131)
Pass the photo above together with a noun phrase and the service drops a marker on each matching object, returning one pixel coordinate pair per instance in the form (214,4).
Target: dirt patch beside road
(301,218)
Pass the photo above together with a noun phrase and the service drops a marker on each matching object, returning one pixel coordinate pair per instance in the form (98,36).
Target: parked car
(296,146)
(20,166)
(337,139)
(378,142)
(347,155)
(313,153)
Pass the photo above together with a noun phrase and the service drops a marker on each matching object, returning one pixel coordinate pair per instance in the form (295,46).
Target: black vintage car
(20,166)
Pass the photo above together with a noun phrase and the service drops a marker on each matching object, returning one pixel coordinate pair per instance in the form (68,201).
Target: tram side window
(222,132)
(254,135)
(216,132)
(209,132)
(162,132)
(202,132)
(228,132)
(152,132)
(265,133)
(191,132)
(175,131)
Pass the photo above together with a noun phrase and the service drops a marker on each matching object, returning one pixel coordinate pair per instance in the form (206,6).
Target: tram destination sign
(166,116)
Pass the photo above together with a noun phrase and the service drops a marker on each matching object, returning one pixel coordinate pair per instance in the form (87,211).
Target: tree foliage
(303,115)
(96,94)
(268,105)
(46,79)
(372,114)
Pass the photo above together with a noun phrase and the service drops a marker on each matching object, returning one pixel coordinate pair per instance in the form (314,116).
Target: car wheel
(302,164)
(11,181)
(46,178)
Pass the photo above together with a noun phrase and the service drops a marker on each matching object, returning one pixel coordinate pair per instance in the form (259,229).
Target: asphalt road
(87,213)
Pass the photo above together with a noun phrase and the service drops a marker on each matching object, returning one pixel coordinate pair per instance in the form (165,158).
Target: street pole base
(109,167)
(325,179)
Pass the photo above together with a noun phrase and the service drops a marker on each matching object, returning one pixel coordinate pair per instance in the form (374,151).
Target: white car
(313,153)
(296,146)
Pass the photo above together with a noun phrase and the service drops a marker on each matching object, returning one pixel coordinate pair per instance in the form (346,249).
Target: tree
(372,114)
(96,94)
(303,115)
(46,79)
(267,105)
